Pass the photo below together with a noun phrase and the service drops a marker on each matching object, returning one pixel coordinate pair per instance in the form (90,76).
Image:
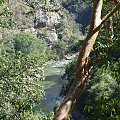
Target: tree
(84,65)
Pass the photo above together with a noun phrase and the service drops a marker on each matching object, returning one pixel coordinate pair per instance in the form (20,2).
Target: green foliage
(104,90)
(7,46)
(106,80)
(100,99)
(28,44)
(21,58)
(6,18)
(60,47)
(57,105)
(19,89)
(51,54)
(43,116)
(1,2)
(63,48)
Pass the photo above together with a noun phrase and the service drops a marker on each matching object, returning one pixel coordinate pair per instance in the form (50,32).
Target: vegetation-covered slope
(49,22)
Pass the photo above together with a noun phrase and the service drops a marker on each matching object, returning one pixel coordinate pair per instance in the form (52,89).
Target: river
(53,84)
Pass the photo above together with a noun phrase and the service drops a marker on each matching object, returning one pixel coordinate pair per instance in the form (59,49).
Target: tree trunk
(83,65)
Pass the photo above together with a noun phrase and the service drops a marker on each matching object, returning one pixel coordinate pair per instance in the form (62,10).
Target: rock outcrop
(50,22)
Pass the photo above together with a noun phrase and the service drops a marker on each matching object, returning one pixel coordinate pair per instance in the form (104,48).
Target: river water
(53,84)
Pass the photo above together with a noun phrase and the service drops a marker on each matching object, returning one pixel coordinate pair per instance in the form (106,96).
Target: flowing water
(53,84)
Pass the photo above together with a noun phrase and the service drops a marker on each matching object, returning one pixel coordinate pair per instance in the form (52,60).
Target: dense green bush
(6,17)
(100,99)
(52,54)
(19,89)
(60,48)
(63,48)
(28,44)
(7,46)
(21,59)
(104,90)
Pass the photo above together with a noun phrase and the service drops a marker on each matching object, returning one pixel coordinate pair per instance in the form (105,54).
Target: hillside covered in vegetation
(34,33)
(31,34)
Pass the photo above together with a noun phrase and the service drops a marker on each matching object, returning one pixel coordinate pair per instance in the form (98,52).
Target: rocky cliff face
(49,22)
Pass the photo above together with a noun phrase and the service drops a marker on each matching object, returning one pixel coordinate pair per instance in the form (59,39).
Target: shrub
(19,90)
